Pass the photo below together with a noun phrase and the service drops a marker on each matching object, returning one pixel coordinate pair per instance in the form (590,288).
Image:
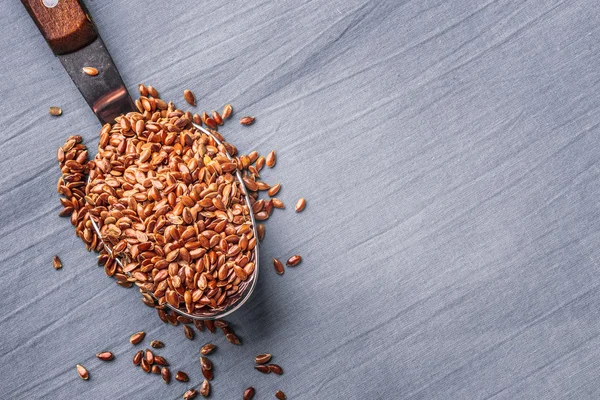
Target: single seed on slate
(145,366)
(182,376)
(196,119)
(207,373)
(166,374)
(137,358)
(149,357)
(260,163)
(249,393)
(189,97)
(262,358)
(105,356)
(205,363)
(55,111)
(219,323)
(247,120)
(233,339)
(300,204)
(276,369)
(157,344)
(189,332)
(152,92)
(217,117)
(210,325)
(205,388)
(190,394)
(261,231)
(274,189)
(83,373)
(155,369)
(294,260)
(137,337)
(277,203)
(143,90)
(280,395)
(262,368)
(90,71)
(278,266)
(199,325)
(56,263)
(227,110)
(207,348)
(161,361)
(271,159)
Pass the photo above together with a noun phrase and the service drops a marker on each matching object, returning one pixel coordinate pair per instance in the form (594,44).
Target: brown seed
(233,339)
(160,361)
(227,110)
(210,325)
(155,369)
(166,374)
(280,395)
(271,159)
(294,260)
(261,231)
(205,363)
(143,90)
(262,368)
(157,344)
(182,376)
(277,203)
(197,120)
(90,71)
(199,325)
(219,323)
(55,111)
(274,189)
(205,388)
(260,163)
(152,92)
(137,337)
(189,332)
(262,358)
(137,358)
(145,366)
(276,369)
(247,120)
(300,204)
(189,97)
(278,266)
(56,263)
(149,356)
(208,374)
(249,393)
(217,117)
(105,356)
(190,394)
(207,348)
(83,373)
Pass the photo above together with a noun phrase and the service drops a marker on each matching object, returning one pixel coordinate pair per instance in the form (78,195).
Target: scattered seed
(207,348)
(182,376)
(293,260)
(278,266)
(210,325)
(166,374)
(260,163)
(197,120)
(56,263)
(247,120)
(208,374)
(90,71)
(137,337)
(219,323)
(276,369)
(205,363)
(190,394)
(260,231)
(227,110)
(205,388)
(249,393)
(271,159)
(189,97)
(189,332)
(152,92)
(262,358)
(199,325)
(83,373)
(55,111)
(277,203)
(262,368)
(160,360)
(105,356)
(143,90)
(157,344)
(149,356)
(137,358)
(300,204)
(274,189)
(155,369)
(280,395)
(217,117)
(145,366)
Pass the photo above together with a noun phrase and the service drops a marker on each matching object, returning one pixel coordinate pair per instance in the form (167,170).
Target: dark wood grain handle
(64,24)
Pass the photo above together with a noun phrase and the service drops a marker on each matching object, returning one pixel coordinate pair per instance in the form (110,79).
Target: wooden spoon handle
(64,23)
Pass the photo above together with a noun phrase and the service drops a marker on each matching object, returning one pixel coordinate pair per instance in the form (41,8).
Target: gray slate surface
(449,154)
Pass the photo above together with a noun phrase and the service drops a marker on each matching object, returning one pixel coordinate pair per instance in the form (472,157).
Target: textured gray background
(449,154)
